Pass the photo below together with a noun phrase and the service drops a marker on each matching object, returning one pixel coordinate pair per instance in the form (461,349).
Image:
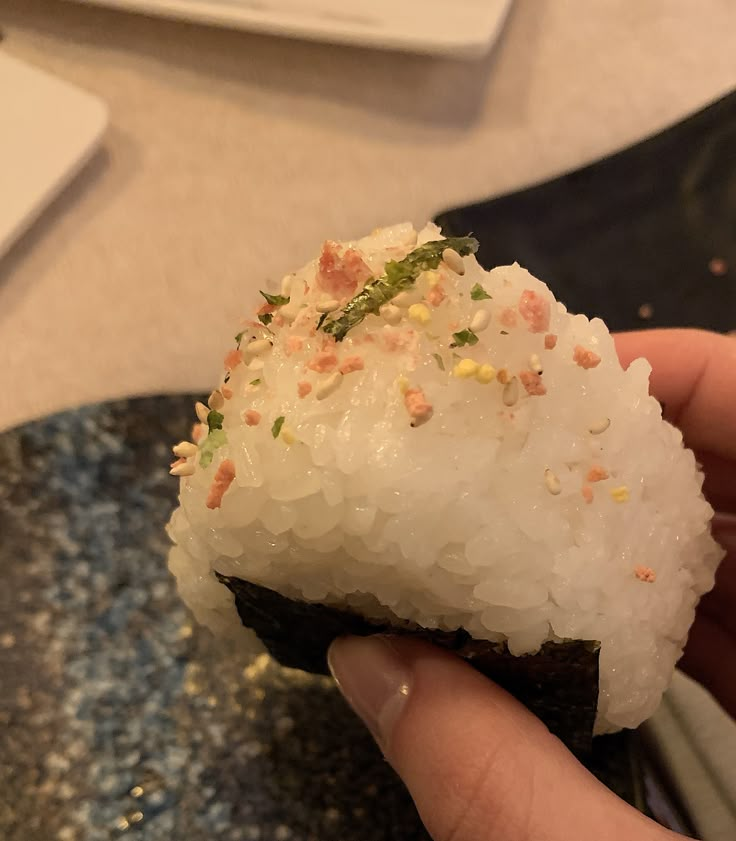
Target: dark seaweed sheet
(559,684)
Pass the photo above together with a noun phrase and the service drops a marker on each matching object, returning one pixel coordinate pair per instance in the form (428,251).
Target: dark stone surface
(118,716)
(559,684)
(630,238)
(106,684)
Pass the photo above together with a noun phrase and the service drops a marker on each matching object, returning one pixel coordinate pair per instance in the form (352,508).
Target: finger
(694,375)
(709,652)
(718,604)
(478,765)
(719,486)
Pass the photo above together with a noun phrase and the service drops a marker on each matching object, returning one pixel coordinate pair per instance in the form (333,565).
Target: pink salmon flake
(323,362)
(352,363)
(419,408)
(294,344)
(508,317)
(251,417)
(266,309)
(597,473)
(340,274)
(585,358)
(222,481)
(233,358)
(550,341)
(534,310)
(645,574)
(199,430)
(587,493)
(395,341)
(436,295)
(532,383)
(303,388)
(226,391)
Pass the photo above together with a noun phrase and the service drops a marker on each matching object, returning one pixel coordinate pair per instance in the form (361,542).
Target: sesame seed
(419,313)
(202,411)
(503,376)
(552,483)
(328,386)
(287,435)
(403,299)
(485,374)
(431,277)
(453,261)
(403,383)
(465,369)
(328,306)
(186,469)
(286,285)
(599,426)
(620,494)
(511,392)
(185,449)
(535,364)
(390,314)
(258,347)
(480,320)
(216,401)
(288,315)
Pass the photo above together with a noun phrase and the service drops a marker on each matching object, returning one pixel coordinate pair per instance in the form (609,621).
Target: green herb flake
(239,337)
(322,320)
(277,424)
(438,360)
(276,300)
(265,318)
(255,382)
(478,293)
(216,439)
(398,276)
(464,337)
(214,420)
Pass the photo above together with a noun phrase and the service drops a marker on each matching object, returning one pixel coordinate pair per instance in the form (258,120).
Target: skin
(694,375)
(479,766)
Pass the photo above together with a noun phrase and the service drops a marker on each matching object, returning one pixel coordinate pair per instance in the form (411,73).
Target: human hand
(694,376)
(481,767)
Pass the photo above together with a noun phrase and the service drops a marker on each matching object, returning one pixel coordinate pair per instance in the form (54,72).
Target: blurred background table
(231,156)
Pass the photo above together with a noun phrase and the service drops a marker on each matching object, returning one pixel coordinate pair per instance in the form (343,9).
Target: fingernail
(374,679)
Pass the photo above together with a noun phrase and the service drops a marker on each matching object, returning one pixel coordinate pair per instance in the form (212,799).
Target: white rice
(453,523)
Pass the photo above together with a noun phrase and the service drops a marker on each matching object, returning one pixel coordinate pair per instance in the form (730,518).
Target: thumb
(478,764)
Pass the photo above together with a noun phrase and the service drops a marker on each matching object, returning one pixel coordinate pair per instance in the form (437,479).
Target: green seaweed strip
(559,684)
(398,276)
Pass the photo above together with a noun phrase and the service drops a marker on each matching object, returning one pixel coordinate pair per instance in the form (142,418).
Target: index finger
(694,375)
